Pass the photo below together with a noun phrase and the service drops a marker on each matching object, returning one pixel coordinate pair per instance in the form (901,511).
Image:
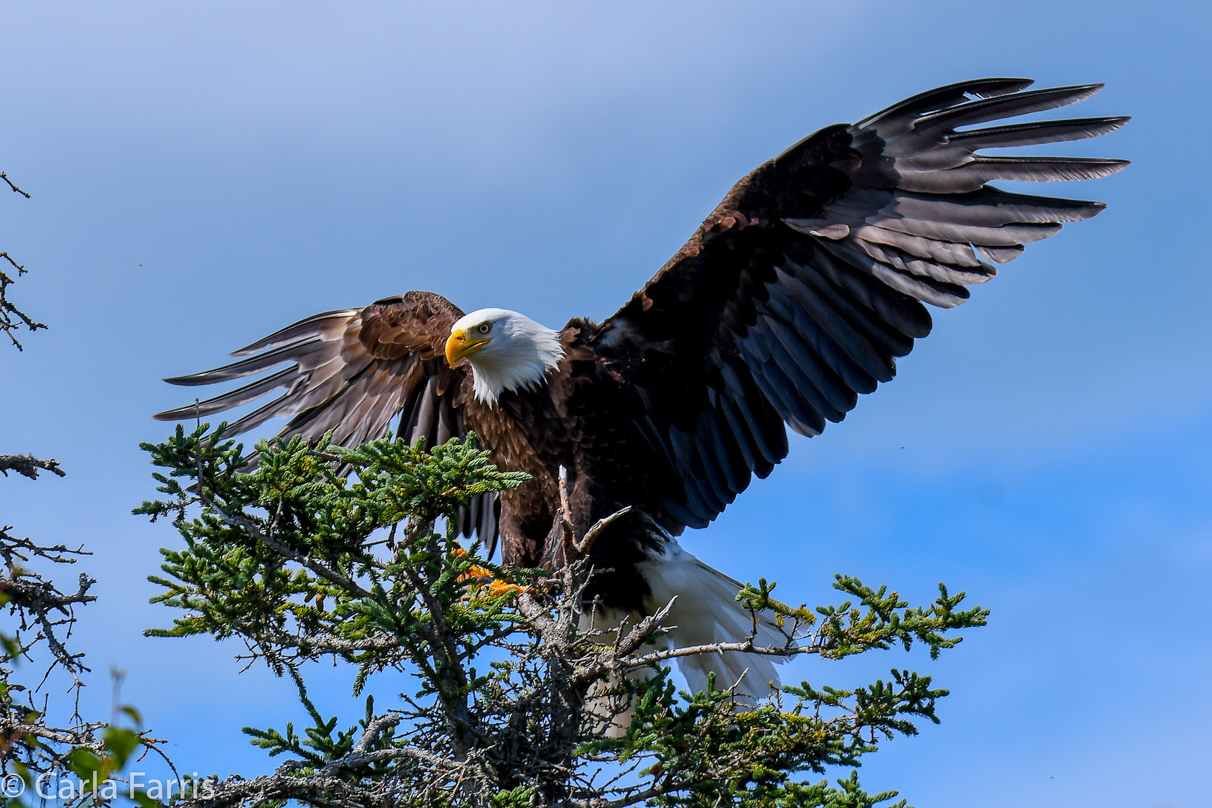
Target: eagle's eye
(484,328)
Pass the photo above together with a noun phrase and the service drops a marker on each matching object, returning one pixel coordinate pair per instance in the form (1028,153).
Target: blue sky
(205,173)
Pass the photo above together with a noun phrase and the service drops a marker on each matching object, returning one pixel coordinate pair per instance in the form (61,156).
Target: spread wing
(804,285)
(350,372)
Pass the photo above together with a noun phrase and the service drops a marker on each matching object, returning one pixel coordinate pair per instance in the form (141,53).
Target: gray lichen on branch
(29,466)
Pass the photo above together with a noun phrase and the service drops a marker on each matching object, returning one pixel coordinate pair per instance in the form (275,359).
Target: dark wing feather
(800,290)
(350,373)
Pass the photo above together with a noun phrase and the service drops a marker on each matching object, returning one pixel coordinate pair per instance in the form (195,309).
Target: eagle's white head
(506,350)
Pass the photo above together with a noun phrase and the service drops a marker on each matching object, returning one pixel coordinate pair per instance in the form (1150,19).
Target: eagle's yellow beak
(460,346)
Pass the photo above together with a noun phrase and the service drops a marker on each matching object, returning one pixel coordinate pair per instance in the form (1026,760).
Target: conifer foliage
(321,553)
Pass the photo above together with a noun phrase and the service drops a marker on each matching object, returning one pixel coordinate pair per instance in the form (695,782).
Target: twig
(591,535)
(4,177)
(12,318)
(746,647)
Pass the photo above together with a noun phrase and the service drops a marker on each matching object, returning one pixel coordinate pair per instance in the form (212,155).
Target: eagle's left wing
(804,285)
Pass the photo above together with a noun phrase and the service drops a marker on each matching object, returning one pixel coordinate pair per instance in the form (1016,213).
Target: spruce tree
(323,553)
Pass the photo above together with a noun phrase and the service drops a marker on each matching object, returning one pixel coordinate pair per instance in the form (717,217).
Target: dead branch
(29,466)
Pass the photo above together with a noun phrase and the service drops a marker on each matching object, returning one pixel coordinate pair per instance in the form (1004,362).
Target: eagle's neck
(523,358)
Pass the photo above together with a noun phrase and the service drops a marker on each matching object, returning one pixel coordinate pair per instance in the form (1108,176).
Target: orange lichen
(484,579)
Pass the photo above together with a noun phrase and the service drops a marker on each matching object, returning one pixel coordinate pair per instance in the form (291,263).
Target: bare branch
(4,177)
(12,318)
(591,535)
(29,466)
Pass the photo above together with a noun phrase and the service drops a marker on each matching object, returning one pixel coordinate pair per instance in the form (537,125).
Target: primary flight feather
(794,296)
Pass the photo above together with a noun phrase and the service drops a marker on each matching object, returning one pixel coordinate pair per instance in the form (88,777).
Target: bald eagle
(794,296)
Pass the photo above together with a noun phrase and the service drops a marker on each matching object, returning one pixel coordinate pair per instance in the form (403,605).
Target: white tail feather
(706,612)
(703,611)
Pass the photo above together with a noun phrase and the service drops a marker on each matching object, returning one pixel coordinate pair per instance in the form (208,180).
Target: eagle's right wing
(350,372)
